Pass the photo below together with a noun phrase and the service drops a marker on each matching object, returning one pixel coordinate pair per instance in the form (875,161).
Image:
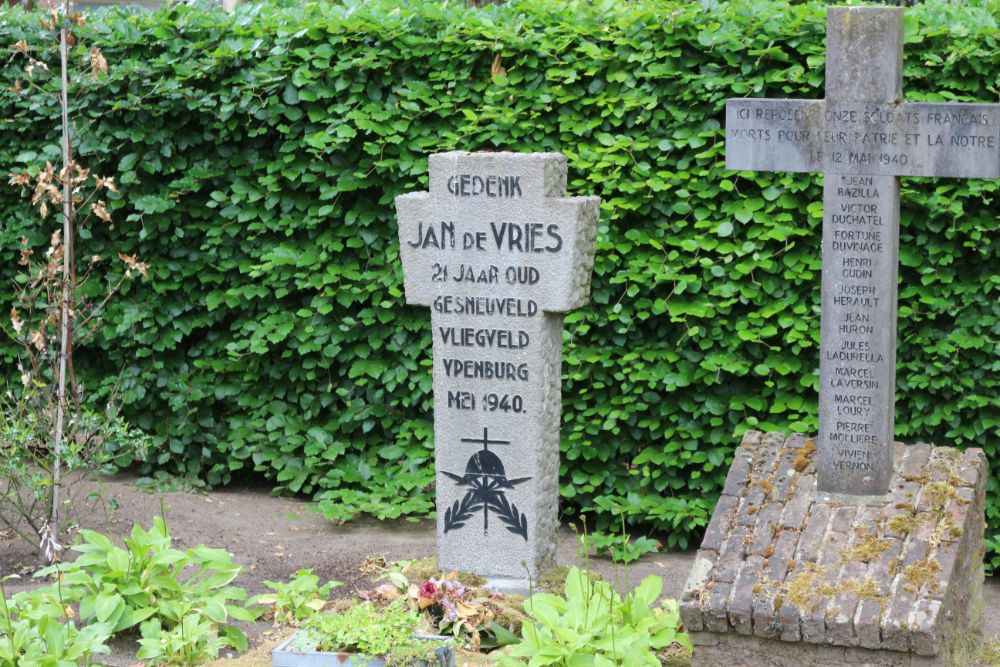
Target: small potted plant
(365,635)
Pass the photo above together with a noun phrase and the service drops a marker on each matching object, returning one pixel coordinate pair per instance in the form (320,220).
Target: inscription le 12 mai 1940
(498,253)
(862,136)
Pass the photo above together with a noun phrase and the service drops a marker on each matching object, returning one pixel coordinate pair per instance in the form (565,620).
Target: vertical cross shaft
(858,314)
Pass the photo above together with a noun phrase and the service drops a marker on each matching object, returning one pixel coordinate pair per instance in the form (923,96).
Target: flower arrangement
(460,609)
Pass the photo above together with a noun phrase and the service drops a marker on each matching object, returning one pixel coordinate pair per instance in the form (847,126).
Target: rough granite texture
(809,579)
(499,253)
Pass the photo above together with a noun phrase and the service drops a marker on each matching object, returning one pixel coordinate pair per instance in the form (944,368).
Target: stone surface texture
(806,578)
(499,254)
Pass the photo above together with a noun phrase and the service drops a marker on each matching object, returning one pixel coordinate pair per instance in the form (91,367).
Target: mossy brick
(925,635)
(866,604)
(829,561)
(732,555)
(886,561)
(840,621)
(741,600)
(782,554)
(721,522)
(765,618)
(716,607)
(973,461)
(691,615)
(811,540)
(797,506)
(790,620)
(868,623)
(738,476)
(915,461)
(843,518)
(763,533)
(947,556)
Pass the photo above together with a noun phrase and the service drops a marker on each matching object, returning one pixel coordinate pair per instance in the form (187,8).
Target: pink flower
(428,590)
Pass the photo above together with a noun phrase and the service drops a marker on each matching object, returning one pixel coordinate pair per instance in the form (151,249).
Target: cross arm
(411,210)
(884,139)
(566,274)
(773,135)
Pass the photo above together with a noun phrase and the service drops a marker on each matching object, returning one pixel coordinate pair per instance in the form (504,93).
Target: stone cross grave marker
(498,253)
(861,136)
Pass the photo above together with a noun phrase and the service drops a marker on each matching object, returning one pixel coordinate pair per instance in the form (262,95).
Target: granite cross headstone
(498,253)
(862,136)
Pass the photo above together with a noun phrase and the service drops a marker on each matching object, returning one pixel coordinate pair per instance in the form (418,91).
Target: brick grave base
(788,577)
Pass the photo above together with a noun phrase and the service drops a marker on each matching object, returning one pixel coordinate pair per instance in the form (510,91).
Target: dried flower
(108,183)
(428,589)
(38,340)
(49,544)
(26,252)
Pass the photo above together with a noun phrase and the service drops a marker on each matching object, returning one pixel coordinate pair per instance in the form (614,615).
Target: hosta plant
(36,628)
(154,586)
(298,599)
(594,625)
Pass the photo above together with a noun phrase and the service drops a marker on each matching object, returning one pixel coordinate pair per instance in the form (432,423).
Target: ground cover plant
(363,629)
(259,155)
(180,605)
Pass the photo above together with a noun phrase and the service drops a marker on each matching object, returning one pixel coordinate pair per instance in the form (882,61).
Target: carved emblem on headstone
(487,482)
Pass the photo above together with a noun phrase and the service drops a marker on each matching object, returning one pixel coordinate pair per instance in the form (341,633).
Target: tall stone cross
(498,253)
(862,136)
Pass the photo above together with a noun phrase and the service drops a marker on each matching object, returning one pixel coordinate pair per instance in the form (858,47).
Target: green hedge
(259,155)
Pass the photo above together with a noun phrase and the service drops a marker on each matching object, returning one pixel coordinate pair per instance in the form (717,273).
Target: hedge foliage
(259,155)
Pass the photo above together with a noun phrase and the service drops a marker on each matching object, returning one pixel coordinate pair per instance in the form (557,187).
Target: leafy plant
(621,547)
(371,631)
(298,599)
(163,590)
(192,641)
(94,443)
(36,629)
(594,625)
